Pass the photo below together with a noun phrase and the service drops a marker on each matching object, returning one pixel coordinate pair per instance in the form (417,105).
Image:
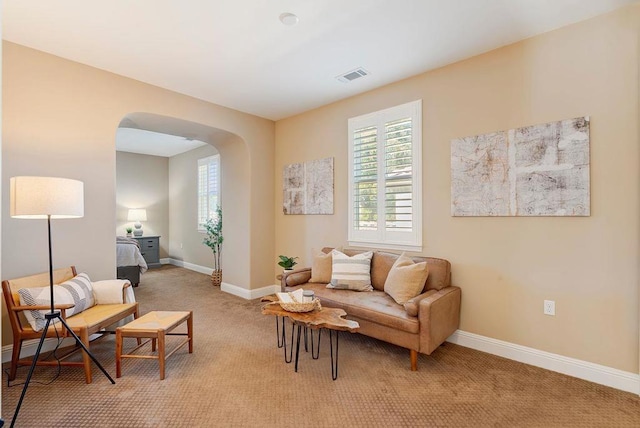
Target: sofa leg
(414,360)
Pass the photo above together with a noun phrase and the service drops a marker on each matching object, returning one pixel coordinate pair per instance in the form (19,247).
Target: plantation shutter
(385,178)
(208,188)
(398,183)
(365,174)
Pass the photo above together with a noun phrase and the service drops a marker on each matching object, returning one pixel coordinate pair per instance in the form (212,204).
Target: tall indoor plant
(213,240)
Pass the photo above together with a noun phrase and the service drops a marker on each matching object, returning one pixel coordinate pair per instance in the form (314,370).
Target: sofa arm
(439,317)
(295,277)
(413,305)
(42,307)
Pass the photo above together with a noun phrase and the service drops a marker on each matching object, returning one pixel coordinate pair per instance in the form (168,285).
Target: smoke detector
(288,18)
(352,75)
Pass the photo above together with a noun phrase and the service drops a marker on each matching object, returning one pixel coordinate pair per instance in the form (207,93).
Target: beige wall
(60,118)
(508,266)
(142,181)
(186,241)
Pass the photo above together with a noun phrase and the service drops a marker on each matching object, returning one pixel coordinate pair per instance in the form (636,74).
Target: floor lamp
(48,198)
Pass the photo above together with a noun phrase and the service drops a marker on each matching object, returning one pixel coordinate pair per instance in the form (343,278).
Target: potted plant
(213,240)
(287,263)
(129,230)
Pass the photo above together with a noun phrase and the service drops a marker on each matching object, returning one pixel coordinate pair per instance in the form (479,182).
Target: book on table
(291,297)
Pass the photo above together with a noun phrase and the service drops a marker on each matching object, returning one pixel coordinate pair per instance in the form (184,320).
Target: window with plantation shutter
(208,188)
(385,178)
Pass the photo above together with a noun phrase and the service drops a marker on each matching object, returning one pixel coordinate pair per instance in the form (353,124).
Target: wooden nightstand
(150,249)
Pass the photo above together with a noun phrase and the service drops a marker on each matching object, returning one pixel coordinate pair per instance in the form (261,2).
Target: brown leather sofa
(420,325)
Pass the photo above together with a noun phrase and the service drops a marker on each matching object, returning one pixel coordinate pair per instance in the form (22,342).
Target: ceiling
(153,143)
(238,54)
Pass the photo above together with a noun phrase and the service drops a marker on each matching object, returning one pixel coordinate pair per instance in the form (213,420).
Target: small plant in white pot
(287,263)
(129,230)
(213,240)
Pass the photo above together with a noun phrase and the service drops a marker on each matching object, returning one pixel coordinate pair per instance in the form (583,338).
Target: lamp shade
(137,215)
(40,197)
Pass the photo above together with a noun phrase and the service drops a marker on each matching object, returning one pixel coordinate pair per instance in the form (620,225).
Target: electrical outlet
(549,307)
(181,245)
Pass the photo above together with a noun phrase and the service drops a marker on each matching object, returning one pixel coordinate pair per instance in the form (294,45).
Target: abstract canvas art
(308,187)
(539,170)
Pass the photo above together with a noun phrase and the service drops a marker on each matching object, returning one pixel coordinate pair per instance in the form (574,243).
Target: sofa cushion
(375,306)
(439,269)
(406,279)
(77,291)
(321,268)
(351,273)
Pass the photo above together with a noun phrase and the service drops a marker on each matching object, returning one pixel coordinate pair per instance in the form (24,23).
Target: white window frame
(381,237)
(205,162)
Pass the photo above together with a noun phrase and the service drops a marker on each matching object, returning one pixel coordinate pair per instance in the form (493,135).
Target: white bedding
(129,255)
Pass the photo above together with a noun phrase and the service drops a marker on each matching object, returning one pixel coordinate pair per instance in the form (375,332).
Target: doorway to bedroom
(159,191)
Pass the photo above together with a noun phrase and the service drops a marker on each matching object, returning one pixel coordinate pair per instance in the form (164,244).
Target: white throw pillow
(351,273)
(76,291)
(109,291)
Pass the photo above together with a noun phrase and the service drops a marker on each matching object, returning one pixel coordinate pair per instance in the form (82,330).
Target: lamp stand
(50,317)
(138,229)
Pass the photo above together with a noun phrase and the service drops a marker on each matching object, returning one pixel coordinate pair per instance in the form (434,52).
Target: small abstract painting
(539,170)
(308,187)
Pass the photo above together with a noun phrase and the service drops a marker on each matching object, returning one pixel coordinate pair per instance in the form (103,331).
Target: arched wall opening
(184,241)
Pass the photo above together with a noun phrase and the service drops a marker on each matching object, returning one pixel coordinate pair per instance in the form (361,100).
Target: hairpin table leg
(278,334)
(284,342)
(334,361)
(299,327)
(315,354)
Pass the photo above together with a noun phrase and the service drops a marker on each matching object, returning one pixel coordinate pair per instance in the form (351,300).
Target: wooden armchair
(91,321)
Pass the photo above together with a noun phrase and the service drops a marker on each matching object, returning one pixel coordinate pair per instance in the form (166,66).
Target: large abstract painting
(308,187)
(539,170)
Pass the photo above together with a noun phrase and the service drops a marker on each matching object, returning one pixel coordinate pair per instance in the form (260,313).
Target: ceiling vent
(353,75)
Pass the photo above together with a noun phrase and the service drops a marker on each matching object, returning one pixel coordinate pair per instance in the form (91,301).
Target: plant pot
(216,277)
(129,235)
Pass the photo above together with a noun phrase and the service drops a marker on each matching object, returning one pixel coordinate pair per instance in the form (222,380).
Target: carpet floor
(237,377)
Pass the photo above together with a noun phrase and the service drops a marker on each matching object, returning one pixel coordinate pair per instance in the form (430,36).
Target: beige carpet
(237,377)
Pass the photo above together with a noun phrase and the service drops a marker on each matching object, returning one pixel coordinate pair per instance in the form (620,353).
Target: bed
(129,260)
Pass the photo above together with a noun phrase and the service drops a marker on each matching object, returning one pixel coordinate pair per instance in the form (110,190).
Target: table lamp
(137,215)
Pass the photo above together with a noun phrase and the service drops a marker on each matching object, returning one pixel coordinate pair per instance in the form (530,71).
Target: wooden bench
(84,324)
(155,325)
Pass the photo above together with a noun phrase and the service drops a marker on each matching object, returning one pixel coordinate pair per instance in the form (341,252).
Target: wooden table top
(330,318)
(156,320)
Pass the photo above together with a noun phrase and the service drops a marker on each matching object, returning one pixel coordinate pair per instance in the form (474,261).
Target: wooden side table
(154,326)
(326,318)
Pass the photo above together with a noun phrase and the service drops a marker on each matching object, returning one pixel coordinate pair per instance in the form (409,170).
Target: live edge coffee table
(318,319)
(154,325)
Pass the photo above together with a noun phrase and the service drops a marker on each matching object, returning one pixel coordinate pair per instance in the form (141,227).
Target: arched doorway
(183,242)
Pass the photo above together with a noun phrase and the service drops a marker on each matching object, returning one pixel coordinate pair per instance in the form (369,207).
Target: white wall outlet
(181,245)
(549,307)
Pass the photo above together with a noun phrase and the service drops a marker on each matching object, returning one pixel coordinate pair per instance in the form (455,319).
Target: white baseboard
(230,288)
(255,293)
(191,266)
(603,375)
(166,261)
